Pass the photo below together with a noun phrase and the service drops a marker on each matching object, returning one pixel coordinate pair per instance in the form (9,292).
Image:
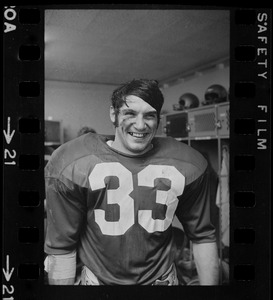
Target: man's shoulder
(181,152)
(75,148)
(80,148)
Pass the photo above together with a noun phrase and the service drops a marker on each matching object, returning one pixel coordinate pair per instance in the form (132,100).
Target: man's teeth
(139,135)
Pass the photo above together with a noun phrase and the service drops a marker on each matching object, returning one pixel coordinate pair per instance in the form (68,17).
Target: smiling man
(111,201)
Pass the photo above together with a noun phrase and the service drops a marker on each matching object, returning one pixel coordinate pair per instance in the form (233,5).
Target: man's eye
(150,117)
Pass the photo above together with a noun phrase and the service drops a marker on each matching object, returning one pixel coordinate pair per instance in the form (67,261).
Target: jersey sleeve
(193,210)
(65,216)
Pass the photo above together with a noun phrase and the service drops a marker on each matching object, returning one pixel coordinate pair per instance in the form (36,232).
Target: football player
(111,200)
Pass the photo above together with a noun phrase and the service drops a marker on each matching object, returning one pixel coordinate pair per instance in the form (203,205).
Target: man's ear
(112,114)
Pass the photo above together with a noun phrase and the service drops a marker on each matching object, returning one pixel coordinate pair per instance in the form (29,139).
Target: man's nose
(140,123)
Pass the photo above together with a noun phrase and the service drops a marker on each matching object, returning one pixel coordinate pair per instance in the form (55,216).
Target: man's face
(137,125)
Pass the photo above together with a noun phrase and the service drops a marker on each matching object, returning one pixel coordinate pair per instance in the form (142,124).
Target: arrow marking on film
(7,134)
(7,273)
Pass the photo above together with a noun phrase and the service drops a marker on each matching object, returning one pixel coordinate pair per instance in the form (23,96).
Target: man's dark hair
(147,90)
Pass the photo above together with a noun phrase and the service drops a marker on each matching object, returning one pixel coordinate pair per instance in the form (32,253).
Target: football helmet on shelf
(215,93)
(187,101)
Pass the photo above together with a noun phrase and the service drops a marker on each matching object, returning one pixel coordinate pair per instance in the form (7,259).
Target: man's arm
(69,281)
(207,263)
(61,269)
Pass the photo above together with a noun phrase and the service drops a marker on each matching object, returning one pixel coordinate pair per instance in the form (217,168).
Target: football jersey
(117,209)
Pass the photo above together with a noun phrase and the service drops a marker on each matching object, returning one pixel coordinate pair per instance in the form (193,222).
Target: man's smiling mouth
(138,135)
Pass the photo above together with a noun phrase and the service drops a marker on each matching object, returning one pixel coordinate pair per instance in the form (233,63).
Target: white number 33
(121,196)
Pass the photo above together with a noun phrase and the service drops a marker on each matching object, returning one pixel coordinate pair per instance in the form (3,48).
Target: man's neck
(113,145)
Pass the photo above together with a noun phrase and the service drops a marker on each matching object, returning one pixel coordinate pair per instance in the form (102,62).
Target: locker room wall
(78,105)
(196,85)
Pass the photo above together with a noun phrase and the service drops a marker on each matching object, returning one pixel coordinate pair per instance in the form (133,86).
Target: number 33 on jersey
(121,196)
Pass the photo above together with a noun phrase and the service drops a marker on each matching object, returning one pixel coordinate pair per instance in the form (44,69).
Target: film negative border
(23,182)
(250,151)
(23,109)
